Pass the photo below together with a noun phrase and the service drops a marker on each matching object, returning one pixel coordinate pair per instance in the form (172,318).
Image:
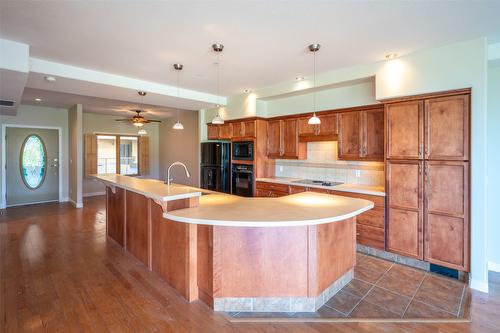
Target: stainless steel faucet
(170,167)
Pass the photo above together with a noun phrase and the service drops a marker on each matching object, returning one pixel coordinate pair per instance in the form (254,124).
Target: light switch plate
(358,173)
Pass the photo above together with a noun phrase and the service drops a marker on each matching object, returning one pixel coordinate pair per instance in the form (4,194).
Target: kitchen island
(237,254)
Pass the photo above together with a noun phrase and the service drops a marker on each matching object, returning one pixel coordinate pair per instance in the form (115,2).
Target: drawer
(272,186)
(377,200)
(297,189)
(268,193)
(370,236)
(374,217)
(319,190)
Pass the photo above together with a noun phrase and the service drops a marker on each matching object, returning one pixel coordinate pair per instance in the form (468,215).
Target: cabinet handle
(426,151)
(419,169)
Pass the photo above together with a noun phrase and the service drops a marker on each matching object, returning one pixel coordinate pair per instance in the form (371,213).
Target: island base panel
(274,269)
(115,214)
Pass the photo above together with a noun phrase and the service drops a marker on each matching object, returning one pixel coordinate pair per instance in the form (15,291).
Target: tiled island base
(282,304)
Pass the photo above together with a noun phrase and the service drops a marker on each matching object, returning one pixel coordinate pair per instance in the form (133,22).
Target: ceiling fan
(138,120)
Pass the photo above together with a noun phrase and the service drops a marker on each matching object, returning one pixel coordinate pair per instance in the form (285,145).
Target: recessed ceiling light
(50,79)
(391,55)
(38,99)
(246,91)
(299,78)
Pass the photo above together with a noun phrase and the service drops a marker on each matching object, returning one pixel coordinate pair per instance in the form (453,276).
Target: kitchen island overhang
(287,254)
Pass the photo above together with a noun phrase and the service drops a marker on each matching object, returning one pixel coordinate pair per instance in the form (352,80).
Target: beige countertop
(151,188)
(308,208)
(353,188)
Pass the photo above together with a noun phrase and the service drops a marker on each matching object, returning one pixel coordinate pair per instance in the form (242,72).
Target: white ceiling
(94,105)
(265,41)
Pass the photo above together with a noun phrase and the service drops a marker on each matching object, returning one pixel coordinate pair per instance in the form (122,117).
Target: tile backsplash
(322,164)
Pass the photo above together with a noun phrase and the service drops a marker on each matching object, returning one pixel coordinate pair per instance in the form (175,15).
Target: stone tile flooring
(385,290)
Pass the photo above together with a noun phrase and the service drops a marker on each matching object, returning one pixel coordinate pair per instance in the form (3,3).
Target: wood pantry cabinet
(283,140)
(428,177)
(361,135)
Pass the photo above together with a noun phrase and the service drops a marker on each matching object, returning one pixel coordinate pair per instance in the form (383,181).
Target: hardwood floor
(59,273)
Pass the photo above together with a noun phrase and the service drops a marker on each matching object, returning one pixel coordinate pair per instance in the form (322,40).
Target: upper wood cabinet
(327,130)
(243,129)
(361,135)
(212,132)
(350,136)
(405,208)
(447,128)
(220,132)
(405,130)
(432,129)
(447,214)
(283,140)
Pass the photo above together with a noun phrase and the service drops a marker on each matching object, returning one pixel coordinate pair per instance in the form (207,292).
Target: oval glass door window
(33,161)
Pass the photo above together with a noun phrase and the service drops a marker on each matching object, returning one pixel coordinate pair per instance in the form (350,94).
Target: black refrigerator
(215,168)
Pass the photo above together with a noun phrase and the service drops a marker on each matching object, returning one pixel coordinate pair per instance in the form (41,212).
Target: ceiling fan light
(314,120)
(138,124)
(178,126)
(142,131)
(218,120)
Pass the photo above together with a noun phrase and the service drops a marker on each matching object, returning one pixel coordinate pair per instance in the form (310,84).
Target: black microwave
(243,150)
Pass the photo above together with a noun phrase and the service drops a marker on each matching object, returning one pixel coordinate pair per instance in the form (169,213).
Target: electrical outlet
(358,173)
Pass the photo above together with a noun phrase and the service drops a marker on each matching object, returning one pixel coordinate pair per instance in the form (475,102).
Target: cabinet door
(349,135)
(212,132)
(405,212)
(329,125)
(447,214)
(249,128)
(290,138)
(238,130)
(115,214)
(447,128)
(274,139)
(305,129)
(405,130)
(373,135)
(226,131)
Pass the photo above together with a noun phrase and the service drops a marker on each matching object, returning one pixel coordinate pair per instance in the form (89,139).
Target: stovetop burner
(317,182)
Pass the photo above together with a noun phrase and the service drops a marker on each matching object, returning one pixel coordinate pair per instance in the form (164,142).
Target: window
(117,154)
(33,162)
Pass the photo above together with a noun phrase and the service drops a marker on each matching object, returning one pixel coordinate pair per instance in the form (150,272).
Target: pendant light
(178,125)
(217,47)
(314,120)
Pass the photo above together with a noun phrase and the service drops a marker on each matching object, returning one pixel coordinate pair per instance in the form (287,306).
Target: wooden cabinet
(220,132)
(405,130)
(372,127)
(361,135)
(447,213)
(428,145)
(327,130)
(243,129)
(349,136)
(283,140)
(405,208)
(137,226)
(370,225)
(265,189)
(447,128)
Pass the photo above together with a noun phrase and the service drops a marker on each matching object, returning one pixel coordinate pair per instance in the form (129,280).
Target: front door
(32,168)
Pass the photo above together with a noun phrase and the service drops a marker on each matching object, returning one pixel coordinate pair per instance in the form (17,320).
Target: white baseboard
(65,199)
(93,194)
(493,266)
(2,205)
(479,285)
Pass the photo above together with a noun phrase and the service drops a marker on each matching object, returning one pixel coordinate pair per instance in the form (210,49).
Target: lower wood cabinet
(405,208)
(447,214)
(265,189)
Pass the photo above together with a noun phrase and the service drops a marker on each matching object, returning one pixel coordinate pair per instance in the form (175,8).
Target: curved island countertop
(307,208)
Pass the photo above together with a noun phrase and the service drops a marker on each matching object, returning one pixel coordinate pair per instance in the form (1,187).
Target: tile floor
(385,290)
